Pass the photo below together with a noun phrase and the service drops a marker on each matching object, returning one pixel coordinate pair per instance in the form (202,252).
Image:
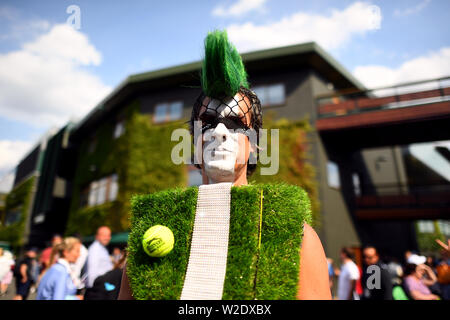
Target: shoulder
(313,278)
(55,273)
(353,266)
(58,269)
(94,247)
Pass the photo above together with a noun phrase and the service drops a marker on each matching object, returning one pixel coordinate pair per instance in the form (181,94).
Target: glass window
(333,175)
(101,196)
(103,190)
(160,113)
(261,93)
(444,226)
(119,129)
(276,94)
(93,192)
(195,178)
(425,226)
(176,110)
(113,188)
(356,184)
(270,94)
(13,216)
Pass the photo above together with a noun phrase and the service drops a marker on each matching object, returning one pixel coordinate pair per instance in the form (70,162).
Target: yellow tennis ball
(158,241)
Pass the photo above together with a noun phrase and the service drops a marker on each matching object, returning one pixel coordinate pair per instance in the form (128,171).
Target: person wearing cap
(415,281)
(23,273)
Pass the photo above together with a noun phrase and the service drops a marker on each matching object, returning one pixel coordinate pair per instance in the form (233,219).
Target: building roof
(309,53)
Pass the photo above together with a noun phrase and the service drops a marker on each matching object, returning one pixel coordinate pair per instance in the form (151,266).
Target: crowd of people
(418,277)
(66,270)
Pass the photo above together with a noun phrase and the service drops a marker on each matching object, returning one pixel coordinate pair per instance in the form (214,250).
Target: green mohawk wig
(223,72)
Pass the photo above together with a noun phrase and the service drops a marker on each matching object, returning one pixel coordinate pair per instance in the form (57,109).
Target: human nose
(220,132)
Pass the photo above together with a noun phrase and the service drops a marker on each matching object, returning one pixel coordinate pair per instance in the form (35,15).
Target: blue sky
(119,38)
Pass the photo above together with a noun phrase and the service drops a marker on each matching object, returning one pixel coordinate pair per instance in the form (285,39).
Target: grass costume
(265,220)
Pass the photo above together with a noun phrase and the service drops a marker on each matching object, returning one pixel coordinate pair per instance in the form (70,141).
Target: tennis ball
(158,241)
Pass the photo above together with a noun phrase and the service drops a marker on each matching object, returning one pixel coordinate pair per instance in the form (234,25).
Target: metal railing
(347,102)
(404,196)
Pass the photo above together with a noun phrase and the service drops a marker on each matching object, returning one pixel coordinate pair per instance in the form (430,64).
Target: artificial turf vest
(265,236)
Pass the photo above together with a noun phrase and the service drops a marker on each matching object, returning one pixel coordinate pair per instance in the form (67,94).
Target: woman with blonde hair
(59,282)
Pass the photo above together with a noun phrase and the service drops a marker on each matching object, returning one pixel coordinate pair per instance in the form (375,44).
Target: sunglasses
(230,122)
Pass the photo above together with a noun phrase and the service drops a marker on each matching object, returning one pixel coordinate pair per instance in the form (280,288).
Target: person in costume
(263,258)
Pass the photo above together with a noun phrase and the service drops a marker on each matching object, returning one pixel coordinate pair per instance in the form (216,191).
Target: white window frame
(164,111)
(103,190)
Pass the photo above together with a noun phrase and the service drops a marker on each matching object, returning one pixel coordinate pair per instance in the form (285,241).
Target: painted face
(225,146)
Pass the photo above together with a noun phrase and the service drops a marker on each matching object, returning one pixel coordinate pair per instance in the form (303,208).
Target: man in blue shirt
(98,260)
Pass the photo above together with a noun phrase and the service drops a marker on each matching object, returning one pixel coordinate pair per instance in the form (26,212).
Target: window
(119,129)
(103,190)
(13,216)
(176,110)
(333,175)
(93,191)
(356,184)
(101,195)
(160,113)
(113,188)
(168,111)
(425,226)
(444,226)
(271,95)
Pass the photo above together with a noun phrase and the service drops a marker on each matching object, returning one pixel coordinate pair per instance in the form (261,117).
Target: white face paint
(221,146)
(220,153)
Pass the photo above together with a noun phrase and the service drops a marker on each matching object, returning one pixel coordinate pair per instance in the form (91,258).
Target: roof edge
(246,57)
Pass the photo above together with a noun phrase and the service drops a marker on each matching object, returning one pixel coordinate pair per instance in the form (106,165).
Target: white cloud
(239,8)
(6,182)
(330,31)
(45,83)
(11,152)
(412,10)
(435,64)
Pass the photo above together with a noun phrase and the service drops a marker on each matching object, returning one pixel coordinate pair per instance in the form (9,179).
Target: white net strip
(206,269)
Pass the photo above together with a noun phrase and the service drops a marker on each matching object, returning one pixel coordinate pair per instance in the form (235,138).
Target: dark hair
(371,247)
(255,121)
(348,252)
(409,268)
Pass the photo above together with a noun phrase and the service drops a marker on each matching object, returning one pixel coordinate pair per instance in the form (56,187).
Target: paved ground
(12,292)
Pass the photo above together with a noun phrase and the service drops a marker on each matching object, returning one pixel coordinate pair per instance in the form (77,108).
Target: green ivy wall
(295,162)
(19,196)
(140,158)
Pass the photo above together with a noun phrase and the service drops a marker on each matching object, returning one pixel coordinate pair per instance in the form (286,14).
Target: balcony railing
(402,95)
(405,196)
